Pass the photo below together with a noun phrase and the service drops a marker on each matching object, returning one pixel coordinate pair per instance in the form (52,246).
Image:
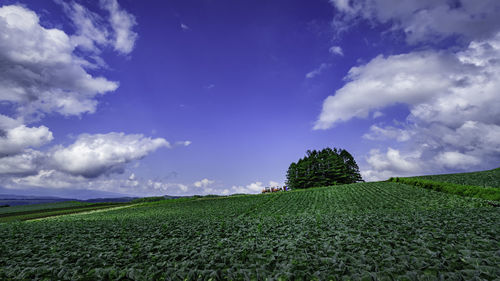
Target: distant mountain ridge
(34,197)
(17,199)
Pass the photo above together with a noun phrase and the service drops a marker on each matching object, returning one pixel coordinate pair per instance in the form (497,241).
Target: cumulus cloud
(42,72)
(255,187)
(203,183)
(388,132)
(318,70)
(122,23)
(424,20)
(46,179)
(391,163)
(252,188)
(54,179)
(39,73)
(452,99)
(185,27)
(368,89)
(336,50)
(455,159)
(94,155)
(23,164)
(15,140)
(438,87)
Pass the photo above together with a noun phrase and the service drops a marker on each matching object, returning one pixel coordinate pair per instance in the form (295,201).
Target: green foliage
(489,178)
(365,231)
(488,193)
(323,168)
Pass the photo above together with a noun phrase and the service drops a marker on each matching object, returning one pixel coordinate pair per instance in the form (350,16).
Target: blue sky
(200,97)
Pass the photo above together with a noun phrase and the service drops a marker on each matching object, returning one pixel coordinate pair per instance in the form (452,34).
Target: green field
(37,211)
(483,185)
(38,207)
(489,178)
(367,231)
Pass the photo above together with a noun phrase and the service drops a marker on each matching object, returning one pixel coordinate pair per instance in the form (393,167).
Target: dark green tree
(323,168)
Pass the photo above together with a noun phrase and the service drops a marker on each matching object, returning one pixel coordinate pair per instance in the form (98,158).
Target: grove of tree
(323,168)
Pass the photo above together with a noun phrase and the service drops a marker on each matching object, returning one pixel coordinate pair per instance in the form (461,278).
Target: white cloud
(369,89)
(15,140)
(95,155)
(122,23)
(22,164)
(159,187)
(452,97)
(389,132)
(455,159)
(184,27)
(336,50)
(252,188)
(452,100)
(390,164)
(203,183)
(47,179)
(318,70)
(448,88)
(274,183)
(255,187)
(394,161)
(39,73)
(424,20)
(53,179)
(377,114)
(8,123)
(90,29)
(183,143)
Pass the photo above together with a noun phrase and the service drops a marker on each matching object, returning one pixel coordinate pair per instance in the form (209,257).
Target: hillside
(483,185)
(369,230)
(490,178)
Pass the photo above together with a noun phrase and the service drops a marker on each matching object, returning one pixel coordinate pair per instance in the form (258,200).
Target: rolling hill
(364,231)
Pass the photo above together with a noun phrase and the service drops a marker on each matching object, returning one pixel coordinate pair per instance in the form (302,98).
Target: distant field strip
(87,211)
(372,231)
(487,193)
(54,209)
(489,178)
(36,207)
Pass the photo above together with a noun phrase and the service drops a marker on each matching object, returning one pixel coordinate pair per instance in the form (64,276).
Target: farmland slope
(368,230)
(490,178)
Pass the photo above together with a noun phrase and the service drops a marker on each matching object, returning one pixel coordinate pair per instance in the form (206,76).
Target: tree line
(323,168)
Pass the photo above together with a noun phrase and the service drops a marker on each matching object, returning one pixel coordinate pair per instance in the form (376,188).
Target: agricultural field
(490,178)
(37,211)
(38,207)
(366,231)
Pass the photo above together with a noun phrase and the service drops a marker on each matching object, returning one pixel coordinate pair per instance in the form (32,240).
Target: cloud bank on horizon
(452,94)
